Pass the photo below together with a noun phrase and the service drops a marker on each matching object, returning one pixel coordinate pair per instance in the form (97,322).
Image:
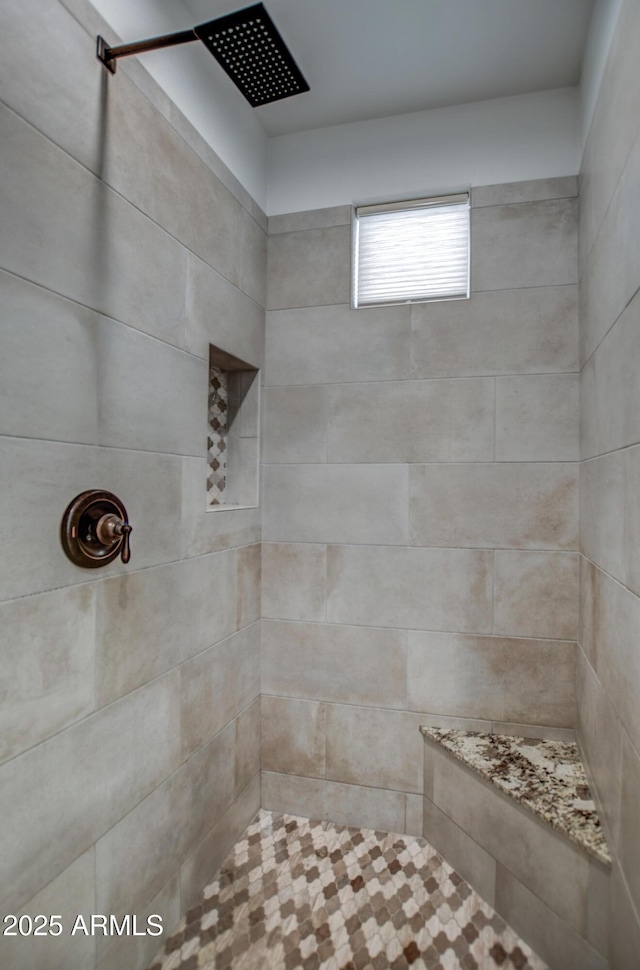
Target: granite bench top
(547,777)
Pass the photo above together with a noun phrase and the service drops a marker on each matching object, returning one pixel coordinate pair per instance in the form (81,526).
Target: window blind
(411,251)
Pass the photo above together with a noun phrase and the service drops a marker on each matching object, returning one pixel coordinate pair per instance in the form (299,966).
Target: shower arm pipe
(109,55)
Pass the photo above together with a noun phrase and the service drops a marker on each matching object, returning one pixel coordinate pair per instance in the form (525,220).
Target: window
(411,251)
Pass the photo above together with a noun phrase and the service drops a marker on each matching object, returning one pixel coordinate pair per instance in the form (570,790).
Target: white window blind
(409,251)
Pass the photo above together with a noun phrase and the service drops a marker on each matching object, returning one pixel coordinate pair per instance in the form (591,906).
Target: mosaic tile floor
(295,893)
(547,777)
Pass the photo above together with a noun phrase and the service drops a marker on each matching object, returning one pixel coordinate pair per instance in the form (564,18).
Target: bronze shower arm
(108,55)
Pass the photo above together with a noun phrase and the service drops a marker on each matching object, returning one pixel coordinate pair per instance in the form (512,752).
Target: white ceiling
(374,58)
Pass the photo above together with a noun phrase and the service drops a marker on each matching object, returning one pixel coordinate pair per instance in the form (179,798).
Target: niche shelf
(233,441)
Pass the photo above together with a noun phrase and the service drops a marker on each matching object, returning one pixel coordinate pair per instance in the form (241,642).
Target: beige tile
(204,531)
(412,421)
(609,396)
(344,664)
(293,736)
(48,366)
(606,516)
(521,505)
(131,270)
(522,331)
(536,594)
(629,839)
(156,606)
(182,196)
(610,273)
(167,412)
(248,585)
(613,131)
(596,927)
(71,893)
(336,503)
(552,868)
(611,628)
(288,793)
(508,193)
(600,738)
(528,244)
(625,925)
(61,796)
(537,418)
(136,952)
(325,345)
(50,475)
(47,675)
(295,424)
(217,685)
(338,215)
(201,865)
(309,268)
(413,815)
(293,580)
(369,808)
(253,259)
(531,681)
(218,313)
(248,732)
(136,858)
(441,589)
(533,731)
(552,938)
(374,748)
(62,106)
(466,856)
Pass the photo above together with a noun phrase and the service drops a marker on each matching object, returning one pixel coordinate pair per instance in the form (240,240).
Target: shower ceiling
(372,58)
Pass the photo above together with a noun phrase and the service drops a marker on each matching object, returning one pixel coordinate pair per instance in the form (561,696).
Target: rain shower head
(246,44)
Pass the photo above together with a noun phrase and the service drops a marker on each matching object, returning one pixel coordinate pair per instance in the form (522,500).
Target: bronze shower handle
(95,529)
(110,528)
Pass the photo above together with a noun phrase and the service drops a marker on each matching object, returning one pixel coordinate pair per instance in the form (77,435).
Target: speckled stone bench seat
(515,817)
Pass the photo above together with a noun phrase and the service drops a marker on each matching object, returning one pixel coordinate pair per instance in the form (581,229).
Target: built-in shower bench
(516,818)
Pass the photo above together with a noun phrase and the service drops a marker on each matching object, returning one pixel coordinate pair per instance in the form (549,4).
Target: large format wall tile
(524,505)
(404,587)
(533,330)
(629,837)
(136,952)
(344,664)
(204,530)
(379,748)
(47,678)
(530,681)
(529,244)
(309,268)
(609,393)
(69,232)
(217,685)
(167,411)
(325,345)
(536,594)
(149,621)
(48,366)
(537,190)
(61,796)
(295,424)
(600,733)
(293,580)
(537,418)
(293,736)
(412,421)
(336,503)
(136,858)
(70,894)
(218,313)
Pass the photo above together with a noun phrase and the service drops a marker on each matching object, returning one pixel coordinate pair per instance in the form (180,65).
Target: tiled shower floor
(295,893)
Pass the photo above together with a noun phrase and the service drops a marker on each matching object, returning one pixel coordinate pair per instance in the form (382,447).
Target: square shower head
(252,52)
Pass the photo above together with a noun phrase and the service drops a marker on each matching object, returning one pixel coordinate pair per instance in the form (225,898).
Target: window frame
(459,198)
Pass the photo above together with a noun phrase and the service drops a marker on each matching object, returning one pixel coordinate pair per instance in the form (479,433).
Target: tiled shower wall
(129,723)
(420,524)
(609,659)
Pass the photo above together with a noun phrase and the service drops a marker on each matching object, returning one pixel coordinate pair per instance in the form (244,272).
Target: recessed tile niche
(233,432)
